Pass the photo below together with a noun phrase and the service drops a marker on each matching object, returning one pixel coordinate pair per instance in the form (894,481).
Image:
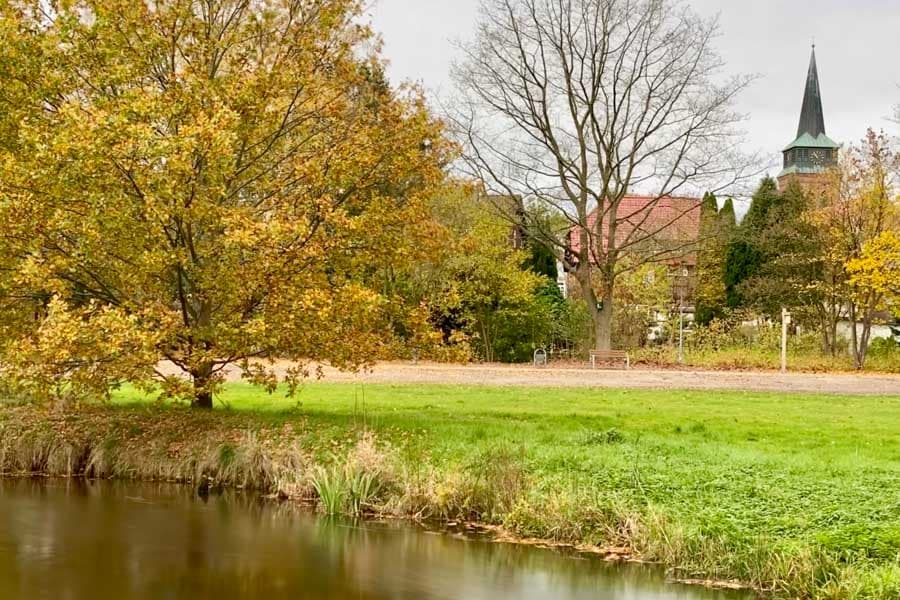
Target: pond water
(62,539)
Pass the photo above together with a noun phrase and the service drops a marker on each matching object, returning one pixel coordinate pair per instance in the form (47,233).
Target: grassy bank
(798,494)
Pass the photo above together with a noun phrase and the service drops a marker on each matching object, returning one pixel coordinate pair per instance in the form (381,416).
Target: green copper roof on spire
(808,141)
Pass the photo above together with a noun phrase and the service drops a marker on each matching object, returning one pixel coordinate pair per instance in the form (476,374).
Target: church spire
(812,152)
(812,118)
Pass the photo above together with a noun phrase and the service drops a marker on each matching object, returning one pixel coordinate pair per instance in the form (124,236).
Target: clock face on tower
(818,158)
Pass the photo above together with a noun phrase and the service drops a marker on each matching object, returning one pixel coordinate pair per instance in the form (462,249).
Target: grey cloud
(856,45)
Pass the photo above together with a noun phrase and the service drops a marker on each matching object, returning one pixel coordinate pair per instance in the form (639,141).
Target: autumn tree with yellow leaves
(877,270)
(199,182)
(857,214)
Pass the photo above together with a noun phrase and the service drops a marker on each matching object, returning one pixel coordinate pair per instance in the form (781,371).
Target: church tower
(813,152)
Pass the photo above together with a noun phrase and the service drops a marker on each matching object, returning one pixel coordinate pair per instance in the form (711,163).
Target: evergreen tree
(746,252)
(765,198)
(787,246)
(796,272)
(541,260)
(727,219)
(710,294)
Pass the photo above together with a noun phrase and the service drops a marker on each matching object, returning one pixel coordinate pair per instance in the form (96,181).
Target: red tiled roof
(668,219)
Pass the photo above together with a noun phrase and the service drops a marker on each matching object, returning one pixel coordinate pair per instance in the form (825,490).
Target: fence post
(785,321)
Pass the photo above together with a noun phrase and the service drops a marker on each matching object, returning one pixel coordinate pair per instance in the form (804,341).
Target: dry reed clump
(244,463)
(367,457)
(164,445)
(483,489)
(292,472)
(181,446)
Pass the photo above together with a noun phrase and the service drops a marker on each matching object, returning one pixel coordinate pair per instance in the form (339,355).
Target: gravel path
(396,372)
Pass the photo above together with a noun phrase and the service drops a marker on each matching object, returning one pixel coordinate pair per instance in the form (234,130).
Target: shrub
(885,347)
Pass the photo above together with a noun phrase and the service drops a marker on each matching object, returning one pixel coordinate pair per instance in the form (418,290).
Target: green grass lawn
(725,483)
(794,493)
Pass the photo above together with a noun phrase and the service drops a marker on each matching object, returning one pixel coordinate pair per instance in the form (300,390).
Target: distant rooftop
(669,220)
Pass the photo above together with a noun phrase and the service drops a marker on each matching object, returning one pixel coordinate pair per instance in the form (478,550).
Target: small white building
(879,331)
(562,279)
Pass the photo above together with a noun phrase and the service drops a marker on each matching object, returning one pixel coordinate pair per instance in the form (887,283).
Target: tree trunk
(833,347)
(863,350)
(203,397)
(600,311)
(834,315)
(829,324)
(854,336)
(603,326)
(487,342)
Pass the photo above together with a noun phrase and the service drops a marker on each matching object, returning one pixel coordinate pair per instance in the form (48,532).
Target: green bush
(885,347)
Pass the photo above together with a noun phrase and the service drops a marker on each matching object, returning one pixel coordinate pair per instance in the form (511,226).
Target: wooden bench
(609,355)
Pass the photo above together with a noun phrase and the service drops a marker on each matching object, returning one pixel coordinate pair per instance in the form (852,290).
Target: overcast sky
(857,49)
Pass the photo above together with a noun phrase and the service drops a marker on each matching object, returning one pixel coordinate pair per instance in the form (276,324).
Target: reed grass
(332,489)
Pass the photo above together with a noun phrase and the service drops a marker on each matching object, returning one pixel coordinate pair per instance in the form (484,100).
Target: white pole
(785,319)
(681,335)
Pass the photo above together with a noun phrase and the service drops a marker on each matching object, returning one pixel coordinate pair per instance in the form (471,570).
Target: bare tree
(574,104)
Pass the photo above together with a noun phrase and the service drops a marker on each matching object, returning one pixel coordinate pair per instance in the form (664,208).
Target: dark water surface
(65,540)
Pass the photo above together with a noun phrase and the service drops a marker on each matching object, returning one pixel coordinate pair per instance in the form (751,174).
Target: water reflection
(74,540)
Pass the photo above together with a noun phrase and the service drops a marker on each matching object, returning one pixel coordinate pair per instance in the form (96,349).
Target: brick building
(668,226)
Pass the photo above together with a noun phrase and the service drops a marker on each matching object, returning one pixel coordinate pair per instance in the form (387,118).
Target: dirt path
(395,372)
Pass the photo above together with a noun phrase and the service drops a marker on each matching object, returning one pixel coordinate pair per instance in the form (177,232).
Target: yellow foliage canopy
(201,183)
(878,269)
